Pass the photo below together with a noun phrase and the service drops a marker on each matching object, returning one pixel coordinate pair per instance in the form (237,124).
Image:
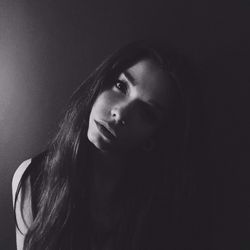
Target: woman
(105,181)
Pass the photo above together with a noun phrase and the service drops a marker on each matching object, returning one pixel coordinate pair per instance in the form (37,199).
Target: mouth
(105,131)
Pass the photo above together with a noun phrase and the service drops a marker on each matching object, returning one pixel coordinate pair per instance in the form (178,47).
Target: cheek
(102,105)
(138,132)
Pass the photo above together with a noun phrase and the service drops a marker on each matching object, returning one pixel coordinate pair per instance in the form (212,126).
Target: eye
(121,86)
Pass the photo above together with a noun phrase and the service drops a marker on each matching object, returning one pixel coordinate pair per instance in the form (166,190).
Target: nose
(120,112)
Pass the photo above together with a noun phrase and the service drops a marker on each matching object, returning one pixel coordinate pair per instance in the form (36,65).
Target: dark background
(48,47)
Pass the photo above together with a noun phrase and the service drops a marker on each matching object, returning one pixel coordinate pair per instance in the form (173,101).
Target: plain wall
(48,47)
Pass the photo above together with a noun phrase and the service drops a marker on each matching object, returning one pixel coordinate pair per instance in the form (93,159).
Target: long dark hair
(63,171)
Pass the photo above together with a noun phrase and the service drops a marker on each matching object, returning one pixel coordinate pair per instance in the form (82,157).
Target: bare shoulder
(23,210)
(18,175)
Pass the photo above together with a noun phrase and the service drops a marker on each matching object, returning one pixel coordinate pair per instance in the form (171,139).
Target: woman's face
(127,114)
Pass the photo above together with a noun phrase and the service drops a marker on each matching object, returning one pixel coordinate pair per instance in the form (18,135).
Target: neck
(106,171)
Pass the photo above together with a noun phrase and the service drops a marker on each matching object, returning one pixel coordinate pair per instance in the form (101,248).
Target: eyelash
(123,88)
(147,113)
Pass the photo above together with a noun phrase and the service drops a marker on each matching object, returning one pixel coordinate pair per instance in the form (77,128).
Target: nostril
(113,113)
(119,113)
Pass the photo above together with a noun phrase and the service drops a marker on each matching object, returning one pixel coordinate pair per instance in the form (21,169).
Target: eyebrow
(129,77)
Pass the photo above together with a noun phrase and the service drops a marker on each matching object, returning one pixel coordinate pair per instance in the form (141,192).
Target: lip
(106,130)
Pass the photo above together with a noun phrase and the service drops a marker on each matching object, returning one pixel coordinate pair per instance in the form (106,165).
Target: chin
(101,146)
(98,143)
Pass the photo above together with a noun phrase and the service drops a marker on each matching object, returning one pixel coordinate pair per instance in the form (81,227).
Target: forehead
(152,83)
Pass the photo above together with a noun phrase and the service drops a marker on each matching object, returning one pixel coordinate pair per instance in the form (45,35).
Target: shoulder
(22,196)
(22,202)
(18,175)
